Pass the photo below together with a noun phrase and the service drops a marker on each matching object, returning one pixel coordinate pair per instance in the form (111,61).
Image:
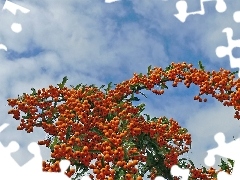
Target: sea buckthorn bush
(86,124)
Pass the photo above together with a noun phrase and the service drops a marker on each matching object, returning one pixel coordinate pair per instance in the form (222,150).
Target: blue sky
(93,42)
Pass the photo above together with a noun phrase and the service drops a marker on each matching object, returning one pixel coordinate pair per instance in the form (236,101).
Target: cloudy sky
(93,42)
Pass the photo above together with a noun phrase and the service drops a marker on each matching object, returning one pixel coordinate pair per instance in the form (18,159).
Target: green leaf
(235,72)
(231,162)
(109,87)
(61,85)
(102,162)
(134,99)
(200,65)
(94,151)
(164,79)
(76,148)
(20,98)
(224,165)
(164,86)
(182,164)
(92,85)
(55,141)
(141,107)
(80,167)
(120,104)
(135,154)
(132,87)
(131,98)
(191,163)
(101,86)
(125,154)
(150,158)
(154,119)
(78,86)
(148,117)
(143,94)
(96,130)
(68,134)
(229,92)
(169,68)
(149,68)
(183,159)
(204,169)
(49,120)
(28,115)
(83,88)
(128,144)
(64,80)
(165,120)
(183,130)
(33,92)
(140,75)
(110,117)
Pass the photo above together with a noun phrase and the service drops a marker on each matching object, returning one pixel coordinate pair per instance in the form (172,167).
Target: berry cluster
(88,124)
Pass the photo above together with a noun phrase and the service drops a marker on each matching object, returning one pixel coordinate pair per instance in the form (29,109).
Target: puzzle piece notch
(3,126)
(182,7)
(236,16)
(16,27)
(5,154)
(32,168)
(12,7)
(222,51)
(227,150)
(177,171)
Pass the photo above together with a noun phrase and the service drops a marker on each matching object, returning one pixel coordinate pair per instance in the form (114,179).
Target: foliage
(86,123)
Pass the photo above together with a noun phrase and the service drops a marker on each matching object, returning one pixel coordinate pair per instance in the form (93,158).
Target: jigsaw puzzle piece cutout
(182,6)
(35,164)
(5,129)
(221,6)
(12,7)
(225,176)
(236,16)
(159,178)
(2,46)
(8,165)
(222,51)
(5,125)
(177,171)
(64,164)
(227,150)
(33,168)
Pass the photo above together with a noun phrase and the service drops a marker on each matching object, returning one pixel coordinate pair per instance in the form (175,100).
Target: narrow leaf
(149,68)
(64,80)
(78,86)
(148,117)
(191,163)
(164,86)
(33,92)
(101,86)
(201,65)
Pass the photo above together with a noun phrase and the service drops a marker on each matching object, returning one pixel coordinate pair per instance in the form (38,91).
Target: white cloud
(93,43)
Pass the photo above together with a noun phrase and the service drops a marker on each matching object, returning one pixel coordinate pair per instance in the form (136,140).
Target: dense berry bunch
(86,123)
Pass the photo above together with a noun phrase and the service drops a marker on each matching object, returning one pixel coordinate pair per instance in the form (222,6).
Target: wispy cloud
(93,42)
